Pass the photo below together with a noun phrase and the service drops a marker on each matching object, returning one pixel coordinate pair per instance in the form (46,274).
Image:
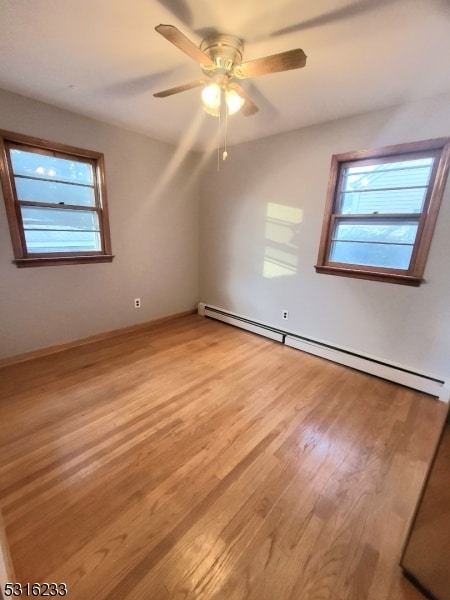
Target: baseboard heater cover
(242,322)
(396,373)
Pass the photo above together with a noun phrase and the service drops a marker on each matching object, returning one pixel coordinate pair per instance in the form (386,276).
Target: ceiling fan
(220,57)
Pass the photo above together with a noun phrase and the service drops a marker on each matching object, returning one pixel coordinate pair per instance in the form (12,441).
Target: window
(55,201)
(381,210)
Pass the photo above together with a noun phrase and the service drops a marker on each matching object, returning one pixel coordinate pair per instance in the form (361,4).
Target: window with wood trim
(55,201)
(381,210)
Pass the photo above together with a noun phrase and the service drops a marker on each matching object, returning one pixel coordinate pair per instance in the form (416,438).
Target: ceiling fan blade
(178,89)
(178,39)
(249,108)
(285,61)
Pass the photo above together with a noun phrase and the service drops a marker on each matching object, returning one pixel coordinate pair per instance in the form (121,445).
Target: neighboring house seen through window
(381,211)
(55,200)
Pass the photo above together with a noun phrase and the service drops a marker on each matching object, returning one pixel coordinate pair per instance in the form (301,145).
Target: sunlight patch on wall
(284,213)
(282,229)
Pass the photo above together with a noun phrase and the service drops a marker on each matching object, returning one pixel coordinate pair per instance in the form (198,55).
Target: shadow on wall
(281,250)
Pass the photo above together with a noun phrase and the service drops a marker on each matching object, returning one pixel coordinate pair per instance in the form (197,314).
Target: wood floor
(199,461)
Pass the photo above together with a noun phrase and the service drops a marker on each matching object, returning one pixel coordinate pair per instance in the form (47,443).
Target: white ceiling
(102,58)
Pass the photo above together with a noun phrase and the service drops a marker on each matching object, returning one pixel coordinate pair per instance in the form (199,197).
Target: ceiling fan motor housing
(225,50)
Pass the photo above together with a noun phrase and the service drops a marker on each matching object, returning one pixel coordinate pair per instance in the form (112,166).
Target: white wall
(153,208)
(260,221)
(267,203)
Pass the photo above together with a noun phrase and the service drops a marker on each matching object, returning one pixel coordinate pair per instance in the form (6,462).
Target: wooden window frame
(24,258)
(438,148)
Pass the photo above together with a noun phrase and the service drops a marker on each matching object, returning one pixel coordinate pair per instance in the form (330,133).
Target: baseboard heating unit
(400,374)
(242,322)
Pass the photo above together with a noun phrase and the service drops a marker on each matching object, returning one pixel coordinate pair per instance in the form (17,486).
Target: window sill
(52,261)
(370,275)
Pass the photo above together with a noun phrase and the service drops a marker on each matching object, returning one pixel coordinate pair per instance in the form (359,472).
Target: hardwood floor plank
(194,460)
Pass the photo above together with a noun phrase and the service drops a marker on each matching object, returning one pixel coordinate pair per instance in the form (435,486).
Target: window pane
(378,243)
(395,166)
(62,241)
(376,230)
(38,165)
(382,202)
(59,230)
(386,188)
(374,255)
(55,218)
(45,191)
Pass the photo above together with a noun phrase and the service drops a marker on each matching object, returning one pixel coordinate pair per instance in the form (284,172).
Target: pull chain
(223,107)
(225,153)
(218,139)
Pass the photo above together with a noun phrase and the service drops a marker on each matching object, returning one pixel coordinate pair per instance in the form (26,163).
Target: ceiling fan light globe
(211,97)
(234,101)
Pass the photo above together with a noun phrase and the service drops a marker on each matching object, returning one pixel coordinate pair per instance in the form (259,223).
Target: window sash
(368,221)
(36,146)
(50,229)
(44,188)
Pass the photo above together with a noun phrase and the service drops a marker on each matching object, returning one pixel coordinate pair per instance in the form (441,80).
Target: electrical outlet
(137,303)
(285,315)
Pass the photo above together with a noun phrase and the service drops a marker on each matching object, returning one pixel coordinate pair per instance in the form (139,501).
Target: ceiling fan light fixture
(212,99)
(220,58)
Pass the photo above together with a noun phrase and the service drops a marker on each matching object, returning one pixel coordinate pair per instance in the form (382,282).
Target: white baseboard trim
(400,374)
